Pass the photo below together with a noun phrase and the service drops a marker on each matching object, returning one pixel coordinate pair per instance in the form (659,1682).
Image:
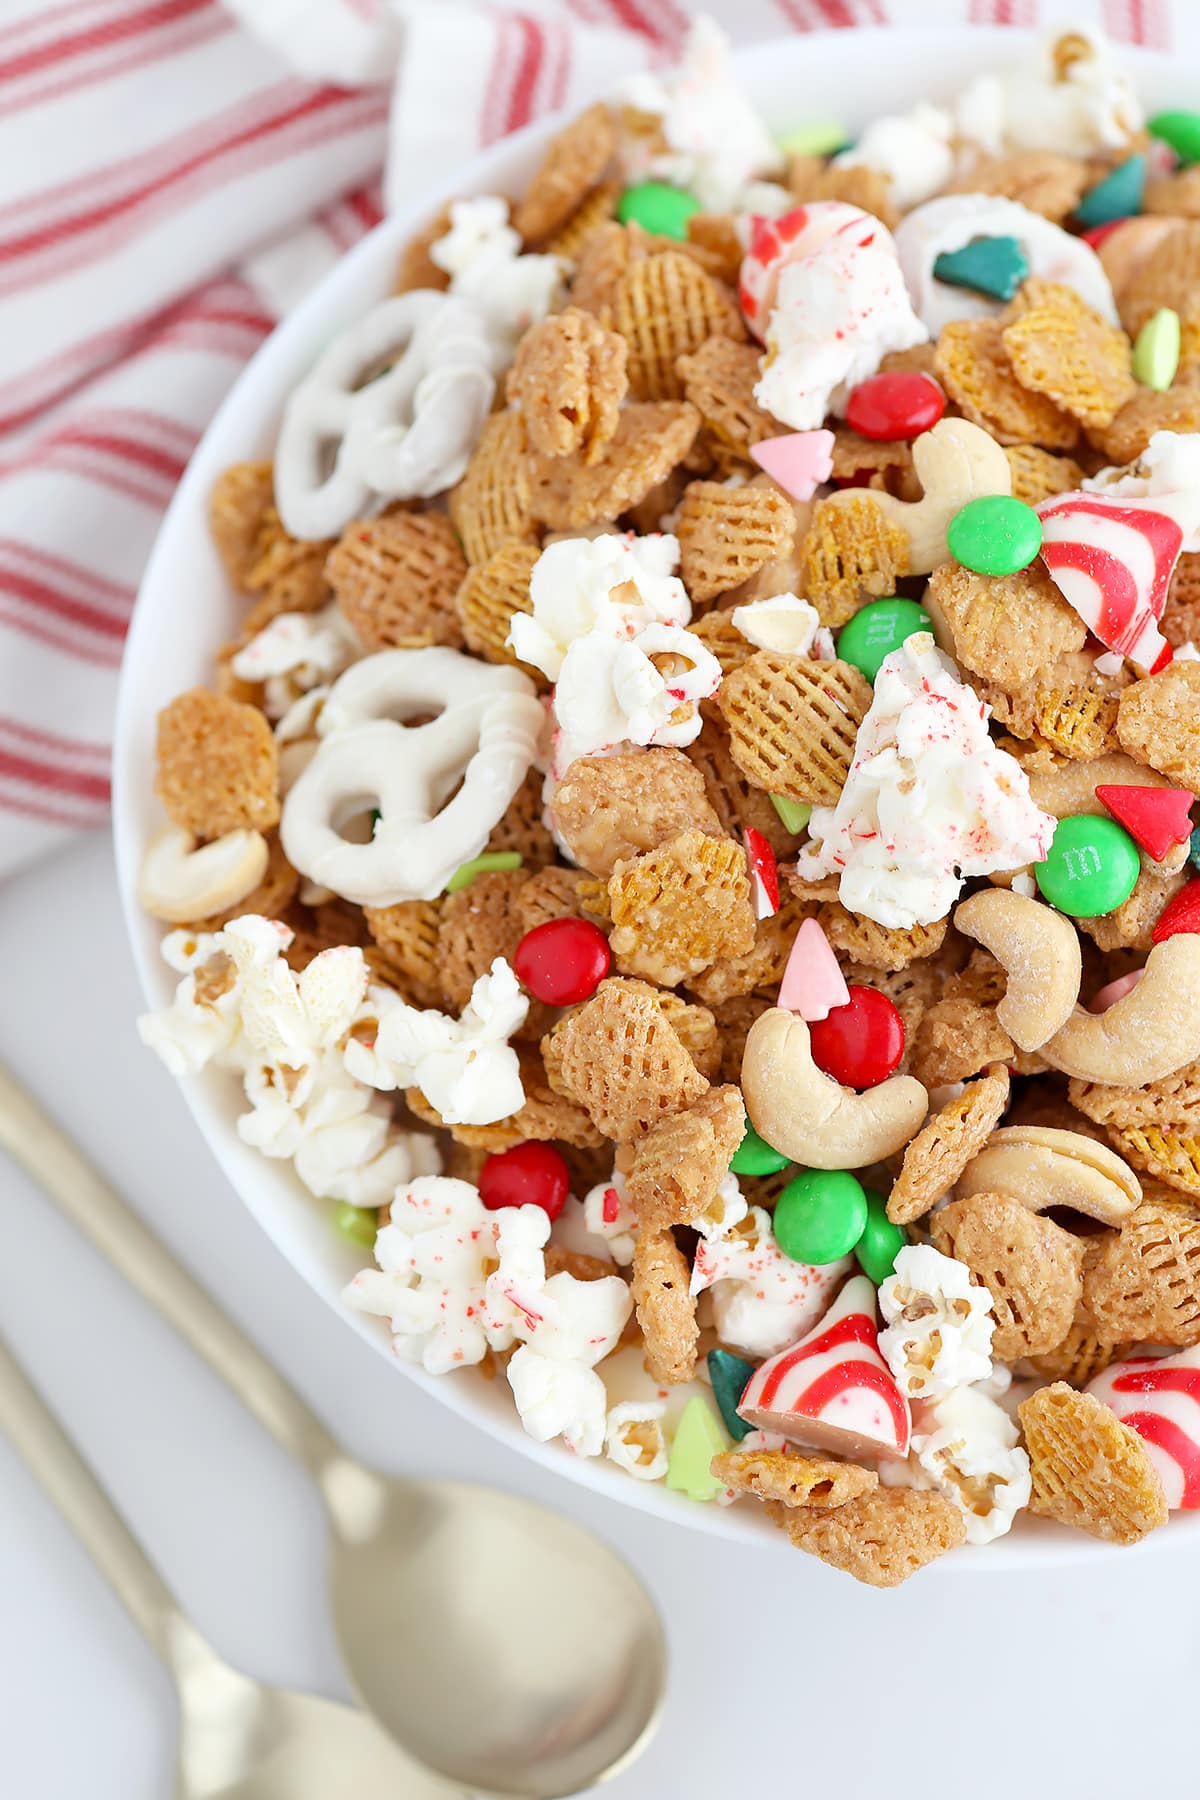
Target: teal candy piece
(358,1223)
(1091,867)
(820,1216)
(483,865)
(1194,849)
(658,207)
(1156,350)
(992,266)
(1179,129)
(1118,196)
(793,814)
(819,137)
(881,1241)
(876,630)
(729,1375)
(698,1438)
(754,1156)
(994,535)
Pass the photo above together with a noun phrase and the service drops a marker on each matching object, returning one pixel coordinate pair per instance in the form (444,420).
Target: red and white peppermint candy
(1159,1398)
(833,1390)
(794,237)
(1112,560)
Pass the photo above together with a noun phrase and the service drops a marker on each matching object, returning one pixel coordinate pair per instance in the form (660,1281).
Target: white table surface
(953,1685)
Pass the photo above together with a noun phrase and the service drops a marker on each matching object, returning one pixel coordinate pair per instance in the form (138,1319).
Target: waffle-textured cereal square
(1131,925)
(851,553)
(679,907)
(1089,1470)
(522,828)
(569,381)
(718,633)
(1030,1266)
(620,1059)
(417,268)
(218,765)
(1045,181)
(719,379)
(238,506)
(396,578)
(1005,627)
(957,1038)
(1143,1284)
(864,940)
(594,210)
(1064,349)
(650,440)
(476,925)
(679,1163)
(489,598)
(1080,1357)
(726,534)
(1181,615)
(666,1310)
(976,371)
(602,259)
(1167,275)
(406,937)
(758,970)
(665,307)
(574,160)
(609,808)
(735,800)
(1037,474)
(793,723)
(855,184)
(792,1479)
(1158,722)
(1171,1153)
(881,1537)
(324,927)
(695,1026)
(492,504)
(945,1145)
(1177,409)
(733,1021)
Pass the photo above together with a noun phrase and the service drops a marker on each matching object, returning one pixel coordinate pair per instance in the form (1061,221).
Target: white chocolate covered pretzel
(439,787)
(352,438)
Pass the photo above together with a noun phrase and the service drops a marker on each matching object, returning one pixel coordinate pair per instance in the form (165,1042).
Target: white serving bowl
(186,609)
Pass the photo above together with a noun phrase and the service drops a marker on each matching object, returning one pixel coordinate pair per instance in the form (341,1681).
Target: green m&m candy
(1090,868)
(657,207)
(881,1241)
(358,1223)
(820,1216)
(994,535)
(1179,129)
(754,1156)
(878,629)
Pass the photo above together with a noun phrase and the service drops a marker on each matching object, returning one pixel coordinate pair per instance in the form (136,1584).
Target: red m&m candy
(861,1043)
(899,403)
(563,961)
(532,1174)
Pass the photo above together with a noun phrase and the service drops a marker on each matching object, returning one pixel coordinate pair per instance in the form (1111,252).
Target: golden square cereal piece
(717,234)
(1037,474)
(695,1026)
(736,801)
(1158,722)
(864,941)
(665,1310)
(575,159)
(601,262)
(1167,275)
(609,808)
(974,367)
(324,927)
(492,504)
(561,1261)
(1132,924)
(620,1059)
(718,633)
(881,1538)
(944,1146)
(758,970)
(1174,1100)
(1080,1356)
(396,578)
(956,1039)
(1177,196)
(918,357)
(679,907)
(489,598)
(270,899)
(679,1163)
(1181,616)
(551,893)
(417,268)
(406,936)
(238,506)
(793,723)
(719,379)
(650,440)
(288,576)
(1144,1282)
(476,925)
(889,464)
(522,828)
(851,553)
(1071,708)
(733,1021)
(593,898)
(1030,1266)
(812,178)
(727,534)
(1171,1154)
(1062,348)
(218,765)
(791,1479)
(665,307)
(595,209)
(569,381)
(1089,1471)
(1045,181)
(1005,627)
(1178,409)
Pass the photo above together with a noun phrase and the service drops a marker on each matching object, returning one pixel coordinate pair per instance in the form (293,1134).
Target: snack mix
(690,856)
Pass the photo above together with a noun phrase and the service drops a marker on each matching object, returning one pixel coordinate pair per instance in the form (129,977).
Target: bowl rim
(308,324)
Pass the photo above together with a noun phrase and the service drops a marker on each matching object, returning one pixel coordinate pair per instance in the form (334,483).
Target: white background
(786,1678)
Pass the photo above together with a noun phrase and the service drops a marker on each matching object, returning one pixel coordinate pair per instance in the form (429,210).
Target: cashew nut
(801,1112)
(1151,1032)
(1041,1166)
(180,883)
(955,462)
(1038,949)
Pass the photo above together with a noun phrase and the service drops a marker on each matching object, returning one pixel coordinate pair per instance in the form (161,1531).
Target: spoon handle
(44,1447)
(58,1165)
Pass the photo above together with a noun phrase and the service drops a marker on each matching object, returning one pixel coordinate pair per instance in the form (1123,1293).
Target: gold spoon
(238,1739)
(502,1645)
